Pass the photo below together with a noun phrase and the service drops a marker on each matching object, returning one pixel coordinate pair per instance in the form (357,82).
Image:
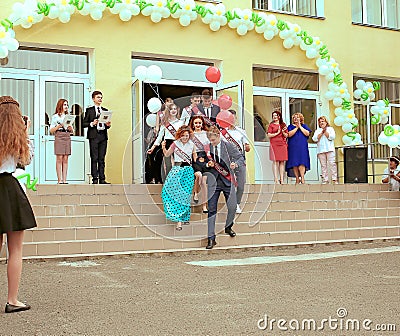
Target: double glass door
(38,96)
(288,102)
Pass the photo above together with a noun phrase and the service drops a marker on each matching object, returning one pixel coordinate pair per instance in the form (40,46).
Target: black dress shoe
(210,244)
(104,182)
(94,181)
(230,232)
(15,309)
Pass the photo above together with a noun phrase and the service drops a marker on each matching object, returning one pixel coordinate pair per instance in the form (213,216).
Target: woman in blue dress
(298,156)
(178,187)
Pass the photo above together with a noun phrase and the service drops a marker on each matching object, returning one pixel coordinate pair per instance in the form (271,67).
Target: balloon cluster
(241,21)
(7,41)
(365,91)
(267,25)
(61,10)
(125,9)
(152,74)
(213,15)
(390,136)
(380,112)
(157,10)
(289,33)
(184,11)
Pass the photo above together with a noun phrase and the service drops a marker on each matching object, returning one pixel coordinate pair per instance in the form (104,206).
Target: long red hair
(13,138)
(60,106)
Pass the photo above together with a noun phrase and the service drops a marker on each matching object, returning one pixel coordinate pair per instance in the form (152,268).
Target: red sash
(221,170)
(182,154)
(171,129)
(231,140)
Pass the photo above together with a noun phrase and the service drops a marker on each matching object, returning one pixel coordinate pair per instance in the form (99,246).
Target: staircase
(90,220)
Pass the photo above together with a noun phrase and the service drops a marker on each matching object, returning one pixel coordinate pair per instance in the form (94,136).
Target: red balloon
(224,102)
(225,118)
(213,74)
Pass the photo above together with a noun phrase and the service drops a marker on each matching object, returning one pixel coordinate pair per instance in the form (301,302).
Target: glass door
(235,91)
(25,89)
(266,101)
(76,91)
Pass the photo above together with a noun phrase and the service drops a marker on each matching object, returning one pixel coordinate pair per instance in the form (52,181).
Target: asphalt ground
(163,295)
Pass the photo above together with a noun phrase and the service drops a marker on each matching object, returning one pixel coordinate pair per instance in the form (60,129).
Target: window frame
(384,18)
(319,7)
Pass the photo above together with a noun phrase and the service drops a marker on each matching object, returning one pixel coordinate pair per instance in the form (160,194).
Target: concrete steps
(81,220)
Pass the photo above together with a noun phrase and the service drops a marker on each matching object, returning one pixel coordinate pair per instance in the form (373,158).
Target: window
(285,79)
(370,133)
(300,7)
(49,60)
(384,13)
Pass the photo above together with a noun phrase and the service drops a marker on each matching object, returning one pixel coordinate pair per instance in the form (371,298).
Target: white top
(188,148)
(395,185)
(164,133)
(202,136)
(8,165)
(240,136)
(57,119)
(325,144)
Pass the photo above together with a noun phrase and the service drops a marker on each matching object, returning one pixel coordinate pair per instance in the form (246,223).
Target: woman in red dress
(278,152)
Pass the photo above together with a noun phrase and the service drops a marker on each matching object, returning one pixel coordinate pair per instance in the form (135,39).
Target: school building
(67,49)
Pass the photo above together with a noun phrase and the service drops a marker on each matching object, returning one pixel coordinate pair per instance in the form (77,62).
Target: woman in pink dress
(278,152)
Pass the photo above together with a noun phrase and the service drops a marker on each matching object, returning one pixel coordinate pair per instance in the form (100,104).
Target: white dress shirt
(240,136)
(8,165)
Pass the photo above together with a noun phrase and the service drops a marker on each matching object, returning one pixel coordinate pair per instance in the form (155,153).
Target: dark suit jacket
(90,115)
(229,153)
(214,111)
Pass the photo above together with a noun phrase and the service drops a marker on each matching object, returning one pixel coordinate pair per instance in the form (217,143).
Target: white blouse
(240,136)
(164,133)
(325,144)
(187,148)
(57,119)
(8,165)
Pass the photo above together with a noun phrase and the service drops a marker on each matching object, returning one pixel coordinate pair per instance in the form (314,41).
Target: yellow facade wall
(358,49)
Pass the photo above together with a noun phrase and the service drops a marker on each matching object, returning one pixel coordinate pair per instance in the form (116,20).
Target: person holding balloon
(199,138)
(167,132)
(298,156)
(278,150)
(178,187)
(324,136)
(237,137)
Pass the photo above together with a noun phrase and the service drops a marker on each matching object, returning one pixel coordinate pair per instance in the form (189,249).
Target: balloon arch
(216,15)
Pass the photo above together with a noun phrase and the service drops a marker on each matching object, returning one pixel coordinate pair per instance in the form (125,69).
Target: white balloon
(346,140)
(311,53)
(151,120)
(155,17)
(269,35)
(383,139)
(141,72)
(125,15)
(215,26)
(65,17)
(184,20)
(339,121)
(337,101)
(288,43)
(12,45)
(330,95)
(242,30)
(3,52)
(96,14)
(360,84)
(154,73)
(324,70)
(347,128)
(154,105)
(54,12)
(393,142)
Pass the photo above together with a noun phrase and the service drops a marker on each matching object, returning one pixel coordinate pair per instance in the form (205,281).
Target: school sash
(182,154)
(196,111)
(231,140)
(221,170)
(171,129)
(199,145)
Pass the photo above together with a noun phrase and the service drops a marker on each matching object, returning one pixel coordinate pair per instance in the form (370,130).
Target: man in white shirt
(191,110)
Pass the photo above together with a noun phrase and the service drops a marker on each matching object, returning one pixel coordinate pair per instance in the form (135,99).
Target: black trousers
(98,149)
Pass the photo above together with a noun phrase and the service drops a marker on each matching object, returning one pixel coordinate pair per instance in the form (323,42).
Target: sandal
(179,226)
(196,198)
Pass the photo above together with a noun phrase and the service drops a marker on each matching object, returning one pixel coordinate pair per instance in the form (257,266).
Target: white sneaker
(238,210)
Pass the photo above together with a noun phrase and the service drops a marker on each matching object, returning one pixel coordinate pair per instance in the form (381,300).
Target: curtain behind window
(374,12)
(306,7)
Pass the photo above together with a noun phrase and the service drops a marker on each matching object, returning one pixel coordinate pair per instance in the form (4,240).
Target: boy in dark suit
(206,107)
(98,137)
(223,158)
